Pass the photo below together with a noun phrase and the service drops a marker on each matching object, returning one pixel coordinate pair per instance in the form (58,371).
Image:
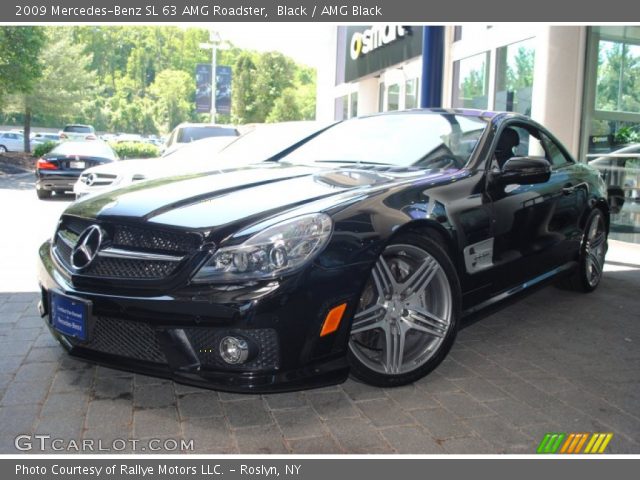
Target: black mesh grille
(128,238)
(124,338)
(131,269)
(143,239)
(205,342)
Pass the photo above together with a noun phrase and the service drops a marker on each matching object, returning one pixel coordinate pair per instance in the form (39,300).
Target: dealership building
(581,82)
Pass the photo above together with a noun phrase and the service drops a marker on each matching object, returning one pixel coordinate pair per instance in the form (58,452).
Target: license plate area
(77,165)
(70,315)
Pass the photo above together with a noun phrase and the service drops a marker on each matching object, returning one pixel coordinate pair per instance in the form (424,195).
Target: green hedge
(127,150)
(43,149)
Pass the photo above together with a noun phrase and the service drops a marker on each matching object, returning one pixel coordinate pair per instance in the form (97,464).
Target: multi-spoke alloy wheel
(407,316)
(588,275)
(595,249)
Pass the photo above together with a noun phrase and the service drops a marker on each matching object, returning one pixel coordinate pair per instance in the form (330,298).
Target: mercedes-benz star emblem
(86,247)
(89,179)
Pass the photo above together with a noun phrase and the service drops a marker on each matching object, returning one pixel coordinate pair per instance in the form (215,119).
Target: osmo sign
(374,38)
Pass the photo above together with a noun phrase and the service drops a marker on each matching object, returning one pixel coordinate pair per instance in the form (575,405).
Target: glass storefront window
(618,76)
(393,97)
(411,93)
(471,82)
(611,125)
(354,105)
(514,77)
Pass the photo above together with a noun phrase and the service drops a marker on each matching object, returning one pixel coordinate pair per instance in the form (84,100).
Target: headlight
(277,250)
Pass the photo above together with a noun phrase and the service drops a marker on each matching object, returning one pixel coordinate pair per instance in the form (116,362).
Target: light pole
(214,39)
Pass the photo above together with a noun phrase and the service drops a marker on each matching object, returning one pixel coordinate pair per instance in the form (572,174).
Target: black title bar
(363,11)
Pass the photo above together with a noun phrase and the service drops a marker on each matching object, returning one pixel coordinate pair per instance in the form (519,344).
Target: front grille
(135,241)
(114,336)
(131,269)
(205,342)
(156,240)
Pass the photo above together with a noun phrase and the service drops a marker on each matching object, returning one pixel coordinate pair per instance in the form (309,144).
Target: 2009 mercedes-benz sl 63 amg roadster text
(357,250)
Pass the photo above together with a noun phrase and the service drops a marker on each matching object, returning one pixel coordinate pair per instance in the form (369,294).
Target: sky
(307,43)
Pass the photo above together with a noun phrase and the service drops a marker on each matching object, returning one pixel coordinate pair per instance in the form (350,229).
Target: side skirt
(515,290)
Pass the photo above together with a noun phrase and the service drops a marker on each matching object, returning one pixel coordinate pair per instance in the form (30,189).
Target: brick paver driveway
(555,361)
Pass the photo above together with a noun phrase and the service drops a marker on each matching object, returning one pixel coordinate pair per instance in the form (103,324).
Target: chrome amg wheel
(595,249)
(406,314)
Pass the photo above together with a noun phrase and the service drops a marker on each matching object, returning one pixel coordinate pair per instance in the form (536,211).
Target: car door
(529,225)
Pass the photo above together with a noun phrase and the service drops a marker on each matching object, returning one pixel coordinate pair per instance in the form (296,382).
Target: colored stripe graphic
(598,442)
(551,442)
(573,443)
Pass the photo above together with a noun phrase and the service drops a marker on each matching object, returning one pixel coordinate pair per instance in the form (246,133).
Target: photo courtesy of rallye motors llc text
(142,471)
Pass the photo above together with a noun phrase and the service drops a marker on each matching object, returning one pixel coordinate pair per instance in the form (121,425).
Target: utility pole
(214,39)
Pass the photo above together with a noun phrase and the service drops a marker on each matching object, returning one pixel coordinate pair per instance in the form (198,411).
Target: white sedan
(259,143)
(11,142)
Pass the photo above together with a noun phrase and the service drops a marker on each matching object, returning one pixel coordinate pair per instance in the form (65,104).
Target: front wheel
(3,149)
(408,314)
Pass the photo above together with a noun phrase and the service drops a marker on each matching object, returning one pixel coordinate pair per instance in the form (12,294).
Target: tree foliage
(140,79)
(20,64)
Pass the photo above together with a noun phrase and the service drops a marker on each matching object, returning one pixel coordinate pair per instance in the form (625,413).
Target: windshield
(266,141)
(84,149)
(78,129)
(403,140)
(191,134)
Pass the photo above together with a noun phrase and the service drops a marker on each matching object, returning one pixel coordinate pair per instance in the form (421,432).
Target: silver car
(11,142)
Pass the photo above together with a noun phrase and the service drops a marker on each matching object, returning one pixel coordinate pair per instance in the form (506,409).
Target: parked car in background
(259,143)
(129,137)
(11,142)
(44,137)
(190,132)
(194,157)
(78,132)
(58,170)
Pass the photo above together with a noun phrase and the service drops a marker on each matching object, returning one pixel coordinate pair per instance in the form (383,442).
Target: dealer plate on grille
(69,315)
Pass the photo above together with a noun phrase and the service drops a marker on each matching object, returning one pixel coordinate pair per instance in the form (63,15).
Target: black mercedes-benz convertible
(357,250)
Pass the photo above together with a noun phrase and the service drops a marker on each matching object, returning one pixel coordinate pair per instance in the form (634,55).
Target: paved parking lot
(555,361)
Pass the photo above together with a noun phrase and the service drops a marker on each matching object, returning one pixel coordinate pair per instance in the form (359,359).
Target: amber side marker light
(334,317)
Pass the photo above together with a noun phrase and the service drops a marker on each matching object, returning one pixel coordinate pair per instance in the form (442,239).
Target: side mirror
(524,171)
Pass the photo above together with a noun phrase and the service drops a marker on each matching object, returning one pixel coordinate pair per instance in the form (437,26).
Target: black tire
(583,279)
(3,149)
(43,194)
(359,368)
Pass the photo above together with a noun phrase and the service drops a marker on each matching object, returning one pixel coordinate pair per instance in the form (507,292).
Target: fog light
(234,350)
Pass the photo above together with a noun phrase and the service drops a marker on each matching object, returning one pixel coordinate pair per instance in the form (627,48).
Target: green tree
(285,108)
(64,81)
(243,95)
(173,92)
(20,64)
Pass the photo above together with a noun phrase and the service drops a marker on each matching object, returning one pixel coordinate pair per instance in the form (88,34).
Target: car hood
(244,195)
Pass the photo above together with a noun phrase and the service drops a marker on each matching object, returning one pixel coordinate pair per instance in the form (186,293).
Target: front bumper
(176,335)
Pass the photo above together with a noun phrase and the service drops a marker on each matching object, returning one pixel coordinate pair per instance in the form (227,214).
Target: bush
(126,150)
(43,149)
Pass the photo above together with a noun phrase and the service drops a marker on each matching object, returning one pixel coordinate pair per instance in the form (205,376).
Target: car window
(517,141)
(558,158)
(191,134)
(403,139)
(78,129)
(89,149)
